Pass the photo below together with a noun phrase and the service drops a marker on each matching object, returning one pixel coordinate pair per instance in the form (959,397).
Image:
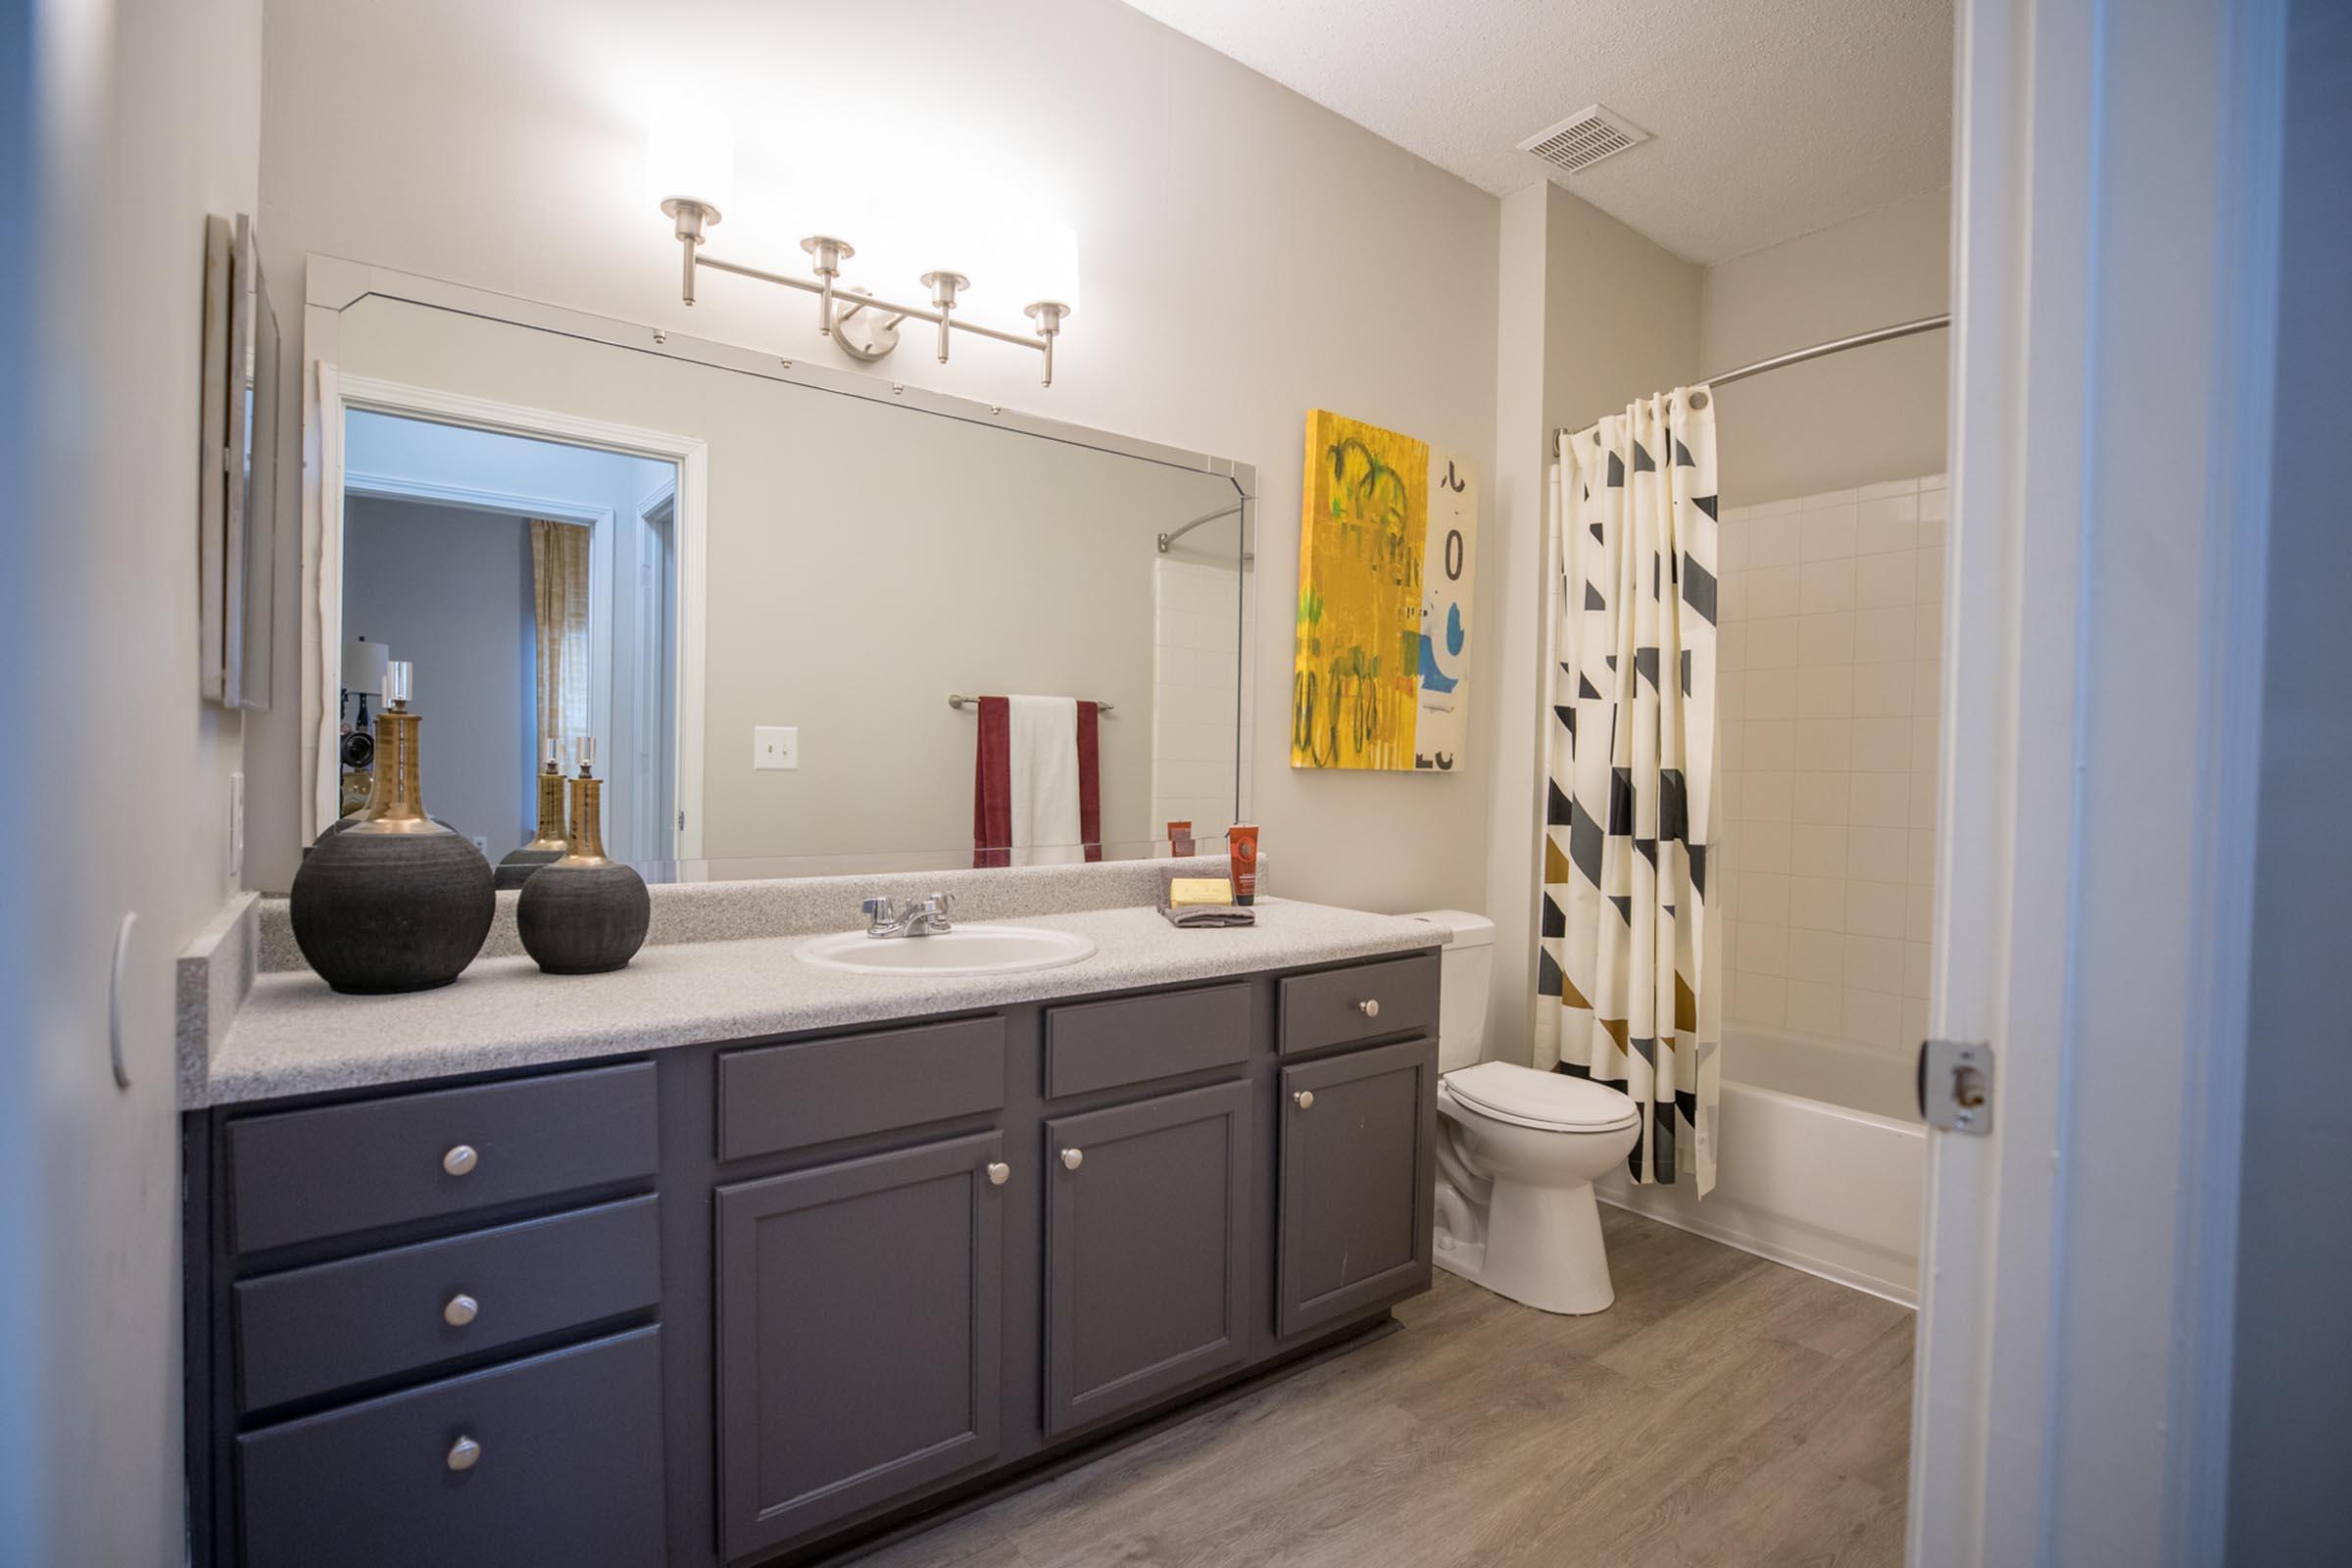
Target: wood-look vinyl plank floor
(1725,1412)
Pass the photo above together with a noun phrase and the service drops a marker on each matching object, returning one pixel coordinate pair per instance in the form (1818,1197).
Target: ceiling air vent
(1584,140)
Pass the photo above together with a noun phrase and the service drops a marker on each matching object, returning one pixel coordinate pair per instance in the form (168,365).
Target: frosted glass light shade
(1049,267)
(833,201)
(690,155)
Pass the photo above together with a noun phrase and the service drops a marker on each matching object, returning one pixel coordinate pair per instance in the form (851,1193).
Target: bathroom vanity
(755,1296)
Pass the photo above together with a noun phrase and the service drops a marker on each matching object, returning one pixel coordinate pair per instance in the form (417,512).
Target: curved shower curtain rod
(1882,334)
(1174,534)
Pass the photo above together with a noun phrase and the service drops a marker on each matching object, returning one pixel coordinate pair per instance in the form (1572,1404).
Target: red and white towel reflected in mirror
(1037,782)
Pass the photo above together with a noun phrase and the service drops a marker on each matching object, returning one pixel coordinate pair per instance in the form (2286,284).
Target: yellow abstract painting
(1366,517)
(1385,574)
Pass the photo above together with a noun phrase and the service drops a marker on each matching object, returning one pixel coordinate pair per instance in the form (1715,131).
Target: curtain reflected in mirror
(560,638)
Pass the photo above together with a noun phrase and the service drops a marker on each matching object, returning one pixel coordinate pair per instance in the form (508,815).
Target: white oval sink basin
(966,950)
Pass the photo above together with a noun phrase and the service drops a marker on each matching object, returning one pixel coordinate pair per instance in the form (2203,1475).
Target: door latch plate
(1955,1086)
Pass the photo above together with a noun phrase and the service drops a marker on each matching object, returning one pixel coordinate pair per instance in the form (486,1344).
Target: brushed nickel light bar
(865,327)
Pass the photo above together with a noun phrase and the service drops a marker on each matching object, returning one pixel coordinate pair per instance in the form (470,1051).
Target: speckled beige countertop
(294,1036)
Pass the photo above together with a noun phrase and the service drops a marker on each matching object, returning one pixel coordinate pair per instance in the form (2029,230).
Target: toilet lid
(1533,1099)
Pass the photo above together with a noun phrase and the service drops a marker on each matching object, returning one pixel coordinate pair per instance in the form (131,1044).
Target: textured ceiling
(1773,117)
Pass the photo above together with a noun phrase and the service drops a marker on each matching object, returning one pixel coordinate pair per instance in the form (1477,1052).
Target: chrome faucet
(928,917)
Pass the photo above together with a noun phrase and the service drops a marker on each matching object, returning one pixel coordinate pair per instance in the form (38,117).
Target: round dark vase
(516,868)
(345,823)
(583,916)
(386,911)
(550,843)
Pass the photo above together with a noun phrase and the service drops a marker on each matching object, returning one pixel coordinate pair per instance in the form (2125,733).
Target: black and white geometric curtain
(1630,971)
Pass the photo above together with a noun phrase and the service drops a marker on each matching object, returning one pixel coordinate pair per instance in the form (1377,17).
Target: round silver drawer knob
(460,1310)
(1072,1158)
(464,1454)
(461,1159)
(999,1173)
(1369,1007)
(1305,1098)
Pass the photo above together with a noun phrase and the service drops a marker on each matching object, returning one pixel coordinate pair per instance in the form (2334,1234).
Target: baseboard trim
(1730,1235)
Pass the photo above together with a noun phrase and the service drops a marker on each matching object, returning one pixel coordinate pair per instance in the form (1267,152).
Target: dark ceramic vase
(377,912)
(584,918)
(549,843)
(391,900)
(516,868)
(583,915)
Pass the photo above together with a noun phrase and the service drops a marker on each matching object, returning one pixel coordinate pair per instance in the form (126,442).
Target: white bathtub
(1819,1166)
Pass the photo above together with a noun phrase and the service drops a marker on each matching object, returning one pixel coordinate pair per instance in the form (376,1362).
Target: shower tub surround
(1197,750)
(1829,678)
(1828,681)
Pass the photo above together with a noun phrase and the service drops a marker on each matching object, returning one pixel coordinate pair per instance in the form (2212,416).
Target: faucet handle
(878,912)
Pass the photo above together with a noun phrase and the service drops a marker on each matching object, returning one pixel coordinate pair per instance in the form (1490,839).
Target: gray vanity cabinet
(1147,1225)
(754,1302)
(859,1357)
(1357,1152)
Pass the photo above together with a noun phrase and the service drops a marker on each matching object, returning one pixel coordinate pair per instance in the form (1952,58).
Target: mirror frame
(332,285)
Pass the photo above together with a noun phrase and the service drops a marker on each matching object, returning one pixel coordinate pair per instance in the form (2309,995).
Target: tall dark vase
(549,843)
(391,900)
(584,915)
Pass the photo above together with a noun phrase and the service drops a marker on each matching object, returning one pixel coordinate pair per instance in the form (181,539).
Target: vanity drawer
(1366,1002)
(564,1466)
(314,1330)
(776,1098)
(301,1175)
(1102,1045)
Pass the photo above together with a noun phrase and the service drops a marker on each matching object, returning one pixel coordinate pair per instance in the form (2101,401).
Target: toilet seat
(1551,1101)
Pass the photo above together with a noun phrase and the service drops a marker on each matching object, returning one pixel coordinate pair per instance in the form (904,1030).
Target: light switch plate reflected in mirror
(775,746)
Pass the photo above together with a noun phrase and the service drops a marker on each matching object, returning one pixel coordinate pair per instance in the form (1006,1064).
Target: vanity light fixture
(690,160)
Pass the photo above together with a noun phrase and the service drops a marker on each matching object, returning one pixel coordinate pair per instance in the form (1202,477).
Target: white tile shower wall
(1832,613)
(1196,673)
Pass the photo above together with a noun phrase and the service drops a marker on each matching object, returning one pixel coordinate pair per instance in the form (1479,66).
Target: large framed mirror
(813,621)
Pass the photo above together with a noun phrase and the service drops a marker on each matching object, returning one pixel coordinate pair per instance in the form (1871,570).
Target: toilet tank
(1465,967)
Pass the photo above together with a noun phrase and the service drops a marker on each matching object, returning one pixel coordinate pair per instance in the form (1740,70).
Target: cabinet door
(858,1345)
(1147,1247)
(1357,1181)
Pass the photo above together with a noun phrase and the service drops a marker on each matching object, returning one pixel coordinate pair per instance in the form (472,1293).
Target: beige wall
(864,561)
(142,119)
(1246,256)
(1592,315)
(1852,419)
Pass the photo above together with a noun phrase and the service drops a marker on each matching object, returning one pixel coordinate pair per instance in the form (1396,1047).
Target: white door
(2116,176)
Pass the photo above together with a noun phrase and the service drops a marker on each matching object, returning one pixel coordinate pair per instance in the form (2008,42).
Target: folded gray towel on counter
(1208,915)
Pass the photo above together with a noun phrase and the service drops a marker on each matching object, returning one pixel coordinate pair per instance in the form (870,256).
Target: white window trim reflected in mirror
(333,285)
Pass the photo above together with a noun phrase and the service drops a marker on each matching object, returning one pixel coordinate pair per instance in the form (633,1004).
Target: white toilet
(1517,1149)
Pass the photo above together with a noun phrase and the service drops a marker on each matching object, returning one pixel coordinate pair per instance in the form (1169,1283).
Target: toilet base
(1539,1246)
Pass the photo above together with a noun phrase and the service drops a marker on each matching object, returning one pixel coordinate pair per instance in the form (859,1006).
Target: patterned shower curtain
(1630,963)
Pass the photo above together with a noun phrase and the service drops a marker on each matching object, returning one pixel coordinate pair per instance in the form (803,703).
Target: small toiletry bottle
(1240,845)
